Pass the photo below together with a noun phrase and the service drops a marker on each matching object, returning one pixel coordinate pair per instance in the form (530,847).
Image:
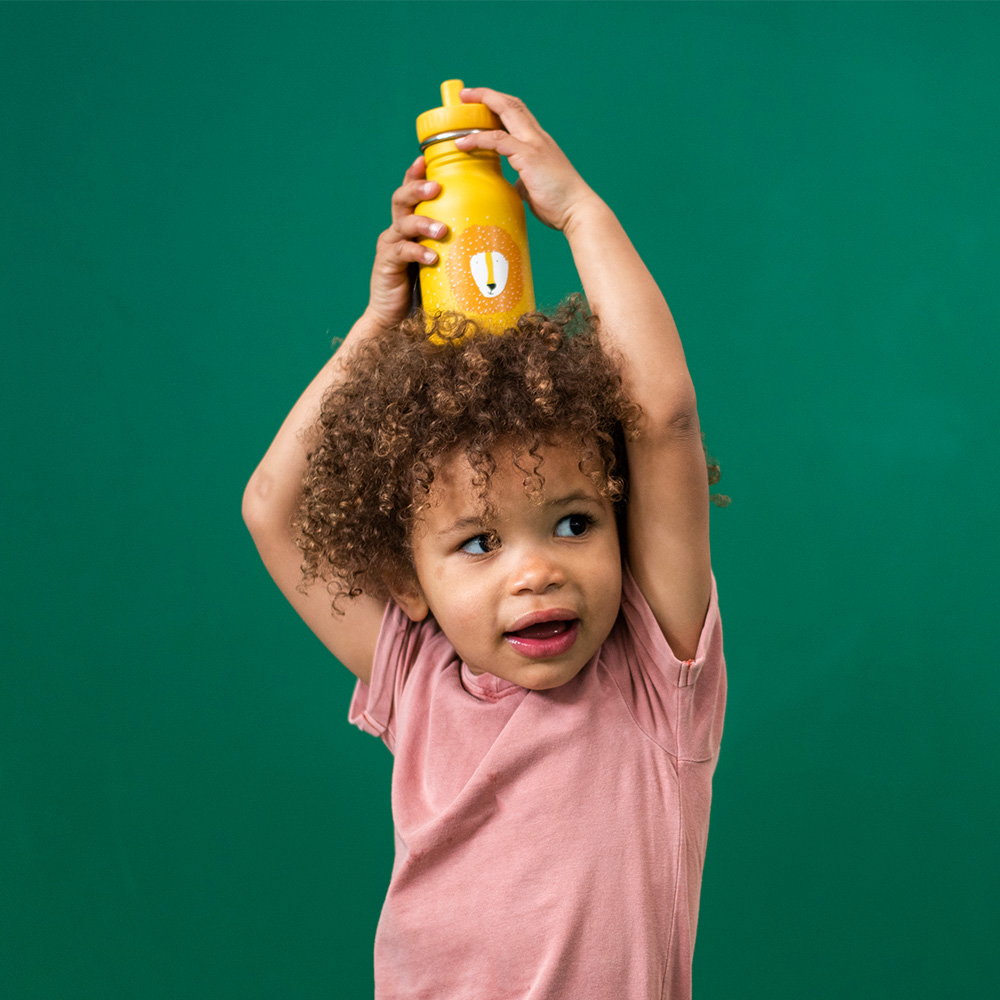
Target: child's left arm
(668,507)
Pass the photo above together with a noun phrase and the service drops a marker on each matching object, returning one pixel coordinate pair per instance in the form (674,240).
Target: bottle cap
(454,116)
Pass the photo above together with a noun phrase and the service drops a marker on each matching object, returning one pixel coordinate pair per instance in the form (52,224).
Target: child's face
(530,594)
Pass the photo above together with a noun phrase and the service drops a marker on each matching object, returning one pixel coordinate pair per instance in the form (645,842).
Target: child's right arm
(271,497)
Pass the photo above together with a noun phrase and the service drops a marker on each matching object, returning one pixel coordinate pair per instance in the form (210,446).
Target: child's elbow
(673,422)
(683,420)
(255,501)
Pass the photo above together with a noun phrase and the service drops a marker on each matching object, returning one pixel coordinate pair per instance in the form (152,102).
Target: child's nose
(536,573)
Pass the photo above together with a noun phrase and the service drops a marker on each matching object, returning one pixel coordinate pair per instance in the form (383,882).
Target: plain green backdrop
(190,198)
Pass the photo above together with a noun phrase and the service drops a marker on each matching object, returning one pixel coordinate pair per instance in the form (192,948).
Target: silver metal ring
(444,136)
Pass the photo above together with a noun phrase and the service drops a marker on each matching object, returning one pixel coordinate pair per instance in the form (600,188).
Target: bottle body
(483,268)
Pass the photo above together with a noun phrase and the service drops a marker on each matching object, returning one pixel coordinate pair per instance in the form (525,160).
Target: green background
(190,199)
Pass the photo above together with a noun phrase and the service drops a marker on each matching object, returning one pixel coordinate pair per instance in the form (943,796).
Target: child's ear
(408,594)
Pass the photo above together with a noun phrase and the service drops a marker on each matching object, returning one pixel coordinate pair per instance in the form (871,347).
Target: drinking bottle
(483,270)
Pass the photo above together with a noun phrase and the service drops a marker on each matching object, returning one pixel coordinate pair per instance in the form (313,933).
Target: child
(515,532)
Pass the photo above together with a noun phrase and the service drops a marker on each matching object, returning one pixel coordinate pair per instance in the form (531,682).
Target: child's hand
(391,290)
(548,182)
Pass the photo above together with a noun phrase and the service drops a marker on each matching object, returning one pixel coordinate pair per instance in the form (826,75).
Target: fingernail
(430,256)
(427,188)
(437,229)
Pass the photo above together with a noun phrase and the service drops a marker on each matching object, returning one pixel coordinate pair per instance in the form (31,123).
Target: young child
(515,531)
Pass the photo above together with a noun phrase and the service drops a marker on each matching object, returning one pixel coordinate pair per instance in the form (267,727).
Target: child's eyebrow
(462,524)
(478,523)
(575,497)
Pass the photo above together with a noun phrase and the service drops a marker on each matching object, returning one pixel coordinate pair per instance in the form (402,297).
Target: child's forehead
(514,469)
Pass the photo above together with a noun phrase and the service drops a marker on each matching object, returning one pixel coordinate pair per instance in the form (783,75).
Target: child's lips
(541,617)
(544,634)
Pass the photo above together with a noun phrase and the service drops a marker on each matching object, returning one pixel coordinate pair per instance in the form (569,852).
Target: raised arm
(668,481)
(667,522)
(271,497)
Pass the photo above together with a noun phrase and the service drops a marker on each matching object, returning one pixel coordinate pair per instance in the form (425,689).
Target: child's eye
(480,545)
(573,525)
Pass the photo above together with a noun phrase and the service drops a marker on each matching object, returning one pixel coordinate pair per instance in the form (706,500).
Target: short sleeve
(401,644)
(372,704)
(678,703)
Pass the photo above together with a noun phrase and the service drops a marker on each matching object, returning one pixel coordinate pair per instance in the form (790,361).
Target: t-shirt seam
(677,885)
(675,754)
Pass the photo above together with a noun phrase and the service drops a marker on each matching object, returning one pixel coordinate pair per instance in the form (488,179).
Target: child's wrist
(367,325)
(372,321)
(590,207)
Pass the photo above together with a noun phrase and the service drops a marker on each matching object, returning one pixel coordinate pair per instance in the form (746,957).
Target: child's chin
(545,677)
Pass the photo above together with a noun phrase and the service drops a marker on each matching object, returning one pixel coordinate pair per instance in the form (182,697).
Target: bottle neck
(446,155)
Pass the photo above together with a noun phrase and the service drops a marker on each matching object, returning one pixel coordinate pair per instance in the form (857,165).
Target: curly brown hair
(407,401)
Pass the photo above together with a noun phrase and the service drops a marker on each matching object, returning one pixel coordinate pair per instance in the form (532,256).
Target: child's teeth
(543,630)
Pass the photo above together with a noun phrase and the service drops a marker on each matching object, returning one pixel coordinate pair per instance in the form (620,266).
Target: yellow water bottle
(483,270)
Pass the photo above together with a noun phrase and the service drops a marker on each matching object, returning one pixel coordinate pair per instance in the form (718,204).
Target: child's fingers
(395,251)
(398,250)
(398,243)
(513,112)
(413,190)
(502,142)
(420,227)
(416,168)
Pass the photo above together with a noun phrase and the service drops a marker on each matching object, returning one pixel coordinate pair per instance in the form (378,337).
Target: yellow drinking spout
(450,91)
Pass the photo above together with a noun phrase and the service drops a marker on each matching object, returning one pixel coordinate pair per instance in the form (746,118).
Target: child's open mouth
(545,639)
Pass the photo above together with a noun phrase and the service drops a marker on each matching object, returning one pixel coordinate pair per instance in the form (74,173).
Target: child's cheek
(467,613)
(454,601)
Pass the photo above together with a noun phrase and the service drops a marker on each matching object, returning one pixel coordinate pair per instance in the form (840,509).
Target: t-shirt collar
(487,687)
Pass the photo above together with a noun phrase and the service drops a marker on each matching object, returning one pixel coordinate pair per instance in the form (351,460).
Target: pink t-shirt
(549,844)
